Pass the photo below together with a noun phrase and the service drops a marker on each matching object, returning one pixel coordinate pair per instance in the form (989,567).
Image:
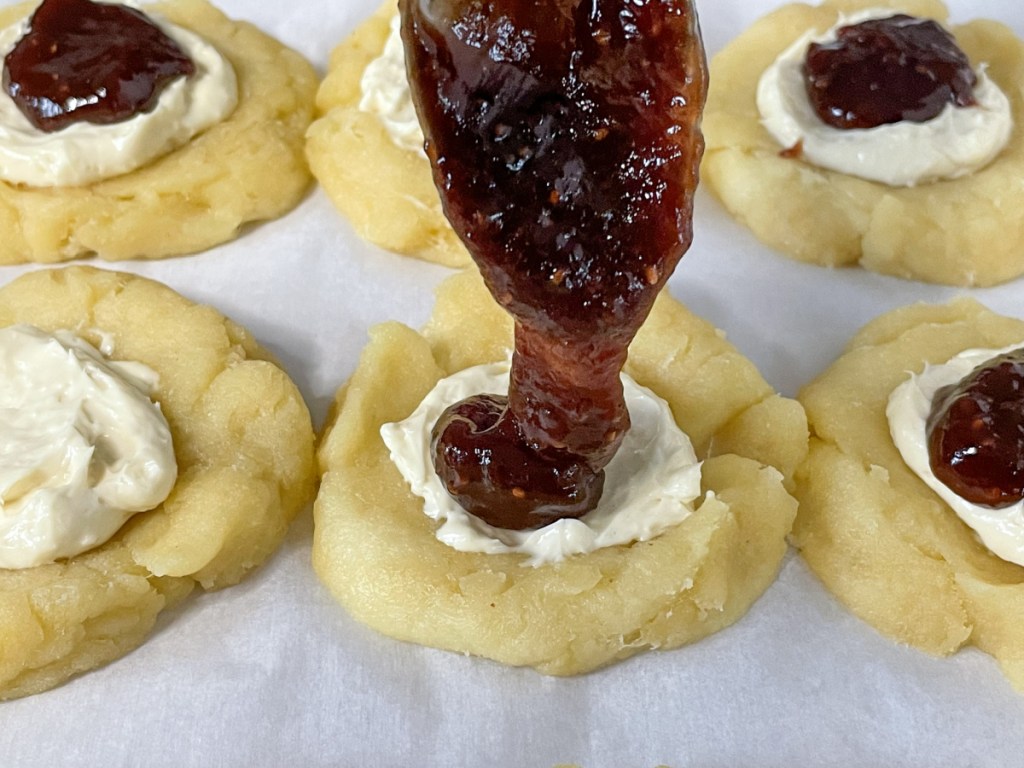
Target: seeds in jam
(887,70)
(93,62)
(565,142)
(976,433)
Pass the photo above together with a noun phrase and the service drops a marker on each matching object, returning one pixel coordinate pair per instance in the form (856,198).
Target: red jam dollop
(885,71)
(565,143)
(91,62)
(976,433)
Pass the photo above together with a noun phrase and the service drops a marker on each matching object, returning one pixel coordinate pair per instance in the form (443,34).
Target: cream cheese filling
(82,446)
(650,485)
(1001,530)
(385,94)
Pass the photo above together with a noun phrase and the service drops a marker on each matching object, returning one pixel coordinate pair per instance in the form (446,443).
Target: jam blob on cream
(82,446)
(385,93)
(84,152)
(912,415)
(564,146)
(886,71)
(948,129)
(92,62)
(976,433)
(651,482)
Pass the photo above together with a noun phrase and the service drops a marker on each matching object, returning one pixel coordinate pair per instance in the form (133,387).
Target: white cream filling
(959,141)
(83,153)
(650,485)
(1001,530)
(82,446)
(385,94)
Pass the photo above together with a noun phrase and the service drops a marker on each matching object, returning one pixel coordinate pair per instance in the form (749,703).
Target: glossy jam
(565,143)
(976,433)
(885,71)
(94,62)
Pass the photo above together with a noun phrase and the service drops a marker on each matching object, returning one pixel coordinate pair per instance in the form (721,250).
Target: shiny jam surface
(887,70)
(94,62)
(565,142)
(976,433)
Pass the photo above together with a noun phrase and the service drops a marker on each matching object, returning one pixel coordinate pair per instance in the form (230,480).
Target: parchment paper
(274,673)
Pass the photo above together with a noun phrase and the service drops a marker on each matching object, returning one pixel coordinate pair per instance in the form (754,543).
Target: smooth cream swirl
(82,446)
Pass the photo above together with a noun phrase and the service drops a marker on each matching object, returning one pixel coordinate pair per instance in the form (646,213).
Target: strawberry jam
(887,70)
(93,62)
(564,138)
(976,433)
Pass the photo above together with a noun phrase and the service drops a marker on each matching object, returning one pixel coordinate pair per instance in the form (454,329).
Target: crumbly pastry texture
(385,191)
(887,546)
(963,231)
(244,445)
(249,167)
(376,551)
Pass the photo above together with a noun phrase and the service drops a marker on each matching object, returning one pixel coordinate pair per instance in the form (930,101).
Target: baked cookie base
(873,532)
(376,551)
(385,191)
(249,167)
(962,232)
(244,445)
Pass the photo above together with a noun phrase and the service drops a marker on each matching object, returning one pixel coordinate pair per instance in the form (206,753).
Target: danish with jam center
(910,506)
(243,444)
(190,165)
(588,610)
(944,207)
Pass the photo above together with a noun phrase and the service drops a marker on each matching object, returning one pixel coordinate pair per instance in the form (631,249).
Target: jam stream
(976,433)
(564,139)
(885,71)
(93,62)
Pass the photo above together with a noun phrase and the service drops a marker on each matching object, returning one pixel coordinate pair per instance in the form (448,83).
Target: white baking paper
(274,673)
